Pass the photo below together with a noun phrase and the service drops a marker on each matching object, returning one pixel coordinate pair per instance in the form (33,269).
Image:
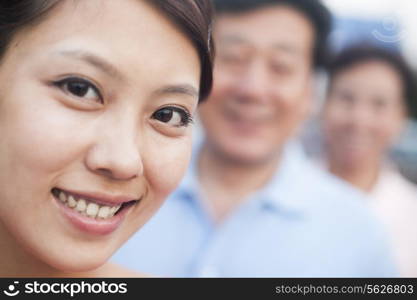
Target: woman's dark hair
(318,15)
(360,54)
(193,18)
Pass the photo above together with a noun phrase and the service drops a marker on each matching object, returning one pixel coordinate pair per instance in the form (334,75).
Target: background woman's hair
(192,17)
(364,53)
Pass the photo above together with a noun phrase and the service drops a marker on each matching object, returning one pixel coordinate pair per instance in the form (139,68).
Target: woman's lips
(89,216)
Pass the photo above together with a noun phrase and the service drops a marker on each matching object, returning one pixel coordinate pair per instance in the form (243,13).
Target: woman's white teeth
(104,212)
(81,205)
(113,210)
(71,201)
(90,209)
(62,197)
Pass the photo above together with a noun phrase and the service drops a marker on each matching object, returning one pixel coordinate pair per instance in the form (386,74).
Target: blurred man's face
(262,82)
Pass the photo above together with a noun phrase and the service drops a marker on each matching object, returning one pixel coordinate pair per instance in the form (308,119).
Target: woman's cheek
(336,120)
(166,160)
(43,133)
(48,150)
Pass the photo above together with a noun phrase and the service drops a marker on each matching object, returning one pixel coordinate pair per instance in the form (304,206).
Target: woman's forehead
(143,42)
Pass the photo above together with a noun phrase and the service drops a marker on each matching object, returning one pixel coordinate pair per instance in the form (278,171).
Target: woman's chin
(62,264)
(353,157)
(77,266)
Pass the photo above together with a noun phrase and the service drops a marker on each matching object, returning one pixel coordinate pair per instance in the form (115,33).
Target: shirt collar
(285,192)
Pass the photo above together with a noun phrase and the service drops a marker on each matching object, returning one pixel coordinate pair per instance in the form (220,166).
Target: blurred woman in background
(368,104)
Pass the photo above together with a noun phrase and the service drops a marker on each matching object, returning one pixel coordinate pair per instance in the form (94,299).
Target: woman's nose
(362,115)
(116,155)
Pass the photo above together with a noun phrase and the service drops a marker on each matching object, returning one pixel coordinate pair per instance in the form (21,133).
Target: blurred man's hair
(362,53)
(318,15)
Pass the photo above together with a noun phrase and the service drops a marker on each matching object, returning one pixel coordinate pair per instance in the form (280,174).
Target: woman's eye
(80,88)
(173,116)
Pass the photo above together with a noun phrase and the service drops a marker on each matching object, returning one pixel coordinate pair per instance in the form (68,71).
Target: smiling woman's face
(95,103)
(364,113)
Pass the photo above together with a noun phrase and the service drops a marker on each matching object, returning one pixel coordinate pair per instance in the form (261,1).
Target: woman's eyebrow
(181,89)
(94,60)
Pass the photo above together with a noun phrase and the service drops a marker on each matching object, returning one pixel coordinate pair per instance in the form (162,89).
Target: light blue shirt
(303,223)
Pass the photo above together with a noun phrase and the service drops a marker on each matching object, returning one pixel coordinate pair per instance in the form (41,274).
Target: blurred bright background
(391,22)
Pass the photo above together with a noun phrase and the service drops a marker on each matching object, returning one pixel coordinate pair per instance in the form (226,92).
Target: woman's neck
(363,175)
(226,183)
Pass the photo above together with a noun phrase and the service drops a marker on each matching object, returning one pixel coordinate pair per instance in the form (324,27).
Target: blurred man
(251,205)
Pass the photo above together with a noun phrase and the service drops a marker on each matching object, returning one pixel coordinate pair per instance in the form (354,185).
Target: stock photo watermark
(63,288)
(391,32)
